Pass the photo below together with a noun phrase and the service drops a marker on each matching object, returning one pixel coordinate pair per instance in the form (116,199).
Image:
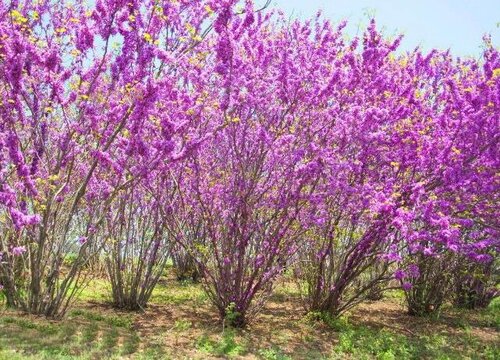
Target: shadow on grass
(81,335)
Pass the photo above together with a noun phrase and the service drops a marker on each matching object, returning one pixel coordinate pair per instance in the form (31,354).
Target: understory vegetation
(181,323)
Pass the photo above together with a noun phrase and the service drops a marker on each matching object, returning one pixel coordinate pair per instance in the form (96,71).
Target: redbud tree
(85,89)
(241,192)
(415,170)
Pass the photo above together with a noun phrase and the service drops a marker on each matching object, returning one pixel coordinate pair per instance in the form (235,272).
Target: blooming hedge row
(250,144)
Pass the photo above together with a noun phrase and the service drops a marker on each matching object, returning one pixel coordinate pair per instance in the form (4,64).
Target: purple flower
(453,247)
(406,286)
(85,40)
(413,270)
(399,274)
(223,19)
(483,258)
(391,257)
(19,219)
(82,240)
(259,260)
(18,250)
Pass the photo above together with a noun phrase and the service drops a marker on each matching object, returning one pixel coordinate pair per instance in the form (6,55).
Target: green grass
(273,353)
(77,337)
(362,342)
(121,321)
(184,292)
(131,344)
(182,325)
(89,333)
(98,290)
(226,345)
(174,328)
(287,289)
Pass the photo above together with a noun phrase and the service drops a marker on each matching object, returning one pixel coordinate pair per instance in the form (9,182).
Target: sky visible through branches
(455,24)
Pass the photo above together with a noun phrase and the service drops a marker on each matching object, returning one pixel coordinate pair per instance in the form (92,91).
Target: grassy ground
(181,324)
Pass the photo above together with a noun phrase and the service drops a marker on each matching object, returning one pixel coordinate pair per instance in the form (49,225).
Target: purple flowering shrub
(336,273)
(243,189)
(86,111)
